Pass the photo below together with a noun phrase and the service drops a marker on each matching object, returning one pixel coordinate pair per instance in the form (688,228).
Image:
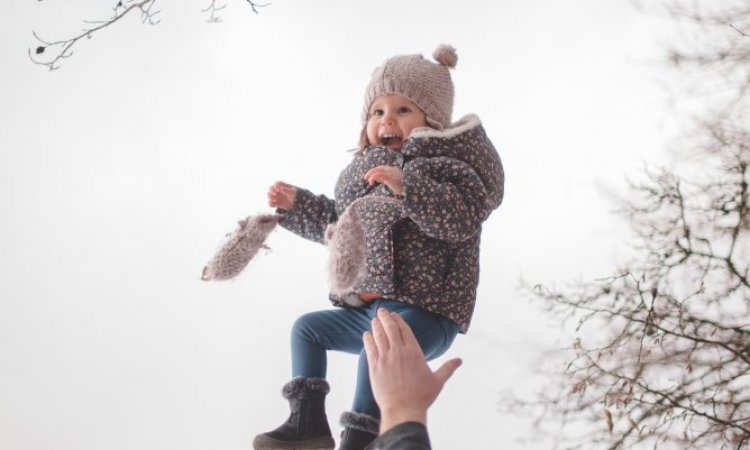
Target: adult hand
(391,176)
(282,195)
(403,384)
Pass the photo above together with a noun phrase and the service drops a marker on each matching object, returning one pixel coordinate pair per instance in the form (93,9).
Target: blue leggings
(341,329)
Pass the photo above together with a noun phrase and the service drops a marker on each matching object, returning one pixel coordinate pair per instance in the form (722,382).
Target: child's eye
(403,109)
(376,112)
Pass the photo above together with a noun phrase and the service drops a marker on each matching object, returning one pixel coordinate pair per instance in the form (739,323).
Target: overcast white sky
(121,172)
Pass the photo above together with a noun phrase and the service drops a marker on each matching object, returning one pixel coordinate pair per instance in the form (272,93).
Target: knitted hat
(423,82)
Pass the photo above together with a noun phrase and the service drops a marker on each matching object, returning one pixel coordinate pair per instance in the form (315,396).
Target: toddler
(420,188)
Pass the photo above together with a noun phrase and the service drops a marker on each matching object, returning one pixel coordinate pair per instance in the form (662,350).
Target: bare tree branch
(254,6)
(64,48)
(662,354)
(213,9)
(51,53)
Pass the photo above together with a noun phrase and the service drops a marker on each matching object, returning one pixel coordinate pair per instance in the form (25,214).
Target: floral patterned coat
(425,250)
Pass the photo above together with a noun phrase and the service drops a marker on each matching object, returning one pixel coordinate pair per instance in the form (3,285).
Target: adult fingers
(391,327)
(371,348)
(407,335)
(447,369)
(379,335)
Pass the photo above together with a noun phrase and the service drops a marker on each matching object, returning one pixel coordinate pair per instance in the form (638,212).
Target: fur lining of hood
(360,421)
(300,386)
(470,145)
(462,125)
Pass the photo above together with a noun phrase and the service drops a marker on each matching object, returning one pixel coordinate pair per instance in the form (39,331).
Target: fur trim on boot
(300,386)
(307,426)
(359,430)
(240,247)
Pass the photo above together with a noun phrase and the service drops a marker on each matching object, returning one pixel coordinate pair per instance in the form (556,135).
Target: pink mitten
(240,247)
(346,244)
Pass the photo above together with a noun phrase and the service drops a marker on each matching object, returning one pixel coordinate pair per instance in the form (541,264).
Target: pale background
(121,172)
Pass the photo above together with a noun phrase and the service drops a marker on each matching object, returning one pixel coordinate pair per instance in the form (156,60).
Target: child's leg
(434,333)
(316,332)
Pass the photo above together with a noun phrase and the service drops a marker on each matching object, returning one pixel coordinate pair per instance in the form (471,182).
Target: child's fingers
(375,172)
(282,188)
(285,188)
(273,199)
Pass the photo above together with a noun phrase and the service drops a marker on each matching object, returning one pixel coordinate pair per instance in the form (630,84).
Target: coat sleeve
(351,183)
(445,198)
(310,215)
(405,436)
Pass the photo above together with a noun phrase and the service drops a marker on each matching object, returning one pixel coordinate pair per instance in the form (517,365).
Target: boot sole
(320,443)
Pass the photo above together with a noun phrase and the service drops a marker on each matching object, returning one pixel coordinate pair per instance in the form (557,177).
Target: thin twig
(65,46)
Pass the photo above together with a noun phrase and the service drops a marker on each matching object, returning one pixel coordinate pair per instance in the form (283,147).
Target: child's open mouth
(392,142)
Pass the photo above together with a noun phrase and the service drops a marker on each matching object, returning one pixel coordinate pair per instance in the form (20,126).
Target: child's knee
(305,325)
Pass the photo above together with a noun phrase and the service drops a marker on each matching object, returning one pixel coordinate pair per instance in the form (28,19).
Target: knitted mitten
(360,246)
(240,247)
(346,257)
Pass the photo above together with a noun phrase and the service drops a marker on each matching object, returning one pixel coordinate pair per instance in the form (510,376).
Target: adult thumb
(446,370)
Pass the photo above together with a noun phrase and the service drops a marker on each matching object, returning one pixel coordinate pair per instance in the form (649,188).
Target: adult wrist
(390,417)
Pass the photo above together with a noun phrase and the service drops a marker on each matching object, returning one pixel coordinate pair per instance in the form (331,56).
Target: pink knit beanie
(423,82)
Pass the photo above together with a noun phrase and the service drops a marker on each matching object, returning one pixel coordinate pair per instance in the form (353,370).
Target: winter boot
(359,430)
(307,426)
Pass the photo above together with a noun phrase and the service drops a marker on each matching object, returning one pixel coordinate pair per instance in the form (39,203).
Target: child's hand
(282,195)
(390,176)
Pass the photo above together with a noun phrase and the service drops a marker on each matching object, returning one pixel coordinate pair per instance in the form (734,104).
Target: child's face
(391,119)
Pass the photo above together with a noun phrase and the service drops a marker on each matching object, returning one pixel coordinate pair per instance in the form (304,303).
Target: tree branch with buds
(50,53)
(661,356)
(62,49)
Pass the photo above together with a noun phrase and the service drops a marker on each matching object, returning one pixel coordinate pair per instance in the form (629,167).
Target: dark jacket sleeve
(310,215)
(351,183)
(445,198)
(405,436)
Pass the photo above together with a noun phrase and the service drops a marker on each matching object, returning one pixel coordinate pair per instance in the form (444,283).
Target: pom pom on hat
(446,56)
